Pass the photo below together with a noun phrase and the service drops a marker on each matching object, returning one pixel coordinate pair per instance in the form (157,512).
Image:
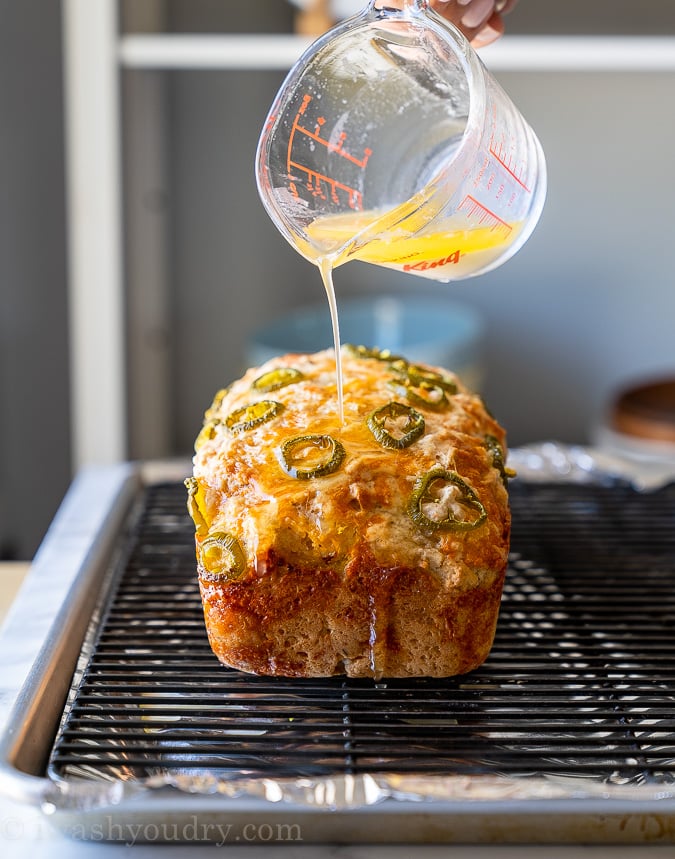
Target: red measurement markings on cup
(503,154)
(479,214)
(317,183)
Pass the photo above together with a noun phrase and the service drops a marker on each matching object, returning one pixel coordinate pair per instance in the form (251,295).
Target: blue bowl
(433,331)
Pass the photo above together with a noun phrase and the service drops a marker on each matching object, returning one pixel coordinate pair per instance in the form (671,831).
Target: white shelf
(511,53)
(247,52)
(93,171)
(581,53)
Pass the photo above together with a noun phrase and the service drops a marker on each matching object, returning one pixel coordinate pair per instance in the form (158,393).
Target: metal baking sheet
(567,733)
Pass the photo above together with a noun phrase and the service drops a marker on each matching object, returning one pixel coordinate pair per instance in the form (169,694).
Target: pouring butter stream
(390,143)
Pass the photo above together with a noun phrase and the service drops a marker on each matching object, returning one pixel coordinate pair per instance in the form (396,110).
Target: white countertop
(12,575)
(24,833)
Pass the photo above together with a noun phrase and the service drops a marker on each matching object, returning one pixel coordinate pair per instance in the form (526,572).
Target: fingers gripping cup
(390,142)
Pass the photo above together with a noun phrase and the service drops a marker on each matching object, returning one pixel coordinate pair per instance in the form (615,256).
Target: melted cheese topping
(319,522)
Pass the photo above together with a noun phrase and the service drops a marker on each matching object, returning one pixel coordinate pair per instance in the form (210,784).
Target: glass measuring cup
(391,143)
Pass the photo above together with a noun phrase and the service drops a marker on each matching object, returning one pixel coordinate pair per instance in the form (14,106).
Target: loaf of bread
(373,547)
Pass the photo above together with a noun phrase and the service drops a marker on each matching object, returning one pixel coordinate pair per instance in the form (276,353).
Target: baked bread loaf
(376,548)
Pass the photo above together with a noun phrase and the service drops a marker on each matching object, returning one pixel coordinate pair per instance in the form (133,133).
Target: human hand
(481,21)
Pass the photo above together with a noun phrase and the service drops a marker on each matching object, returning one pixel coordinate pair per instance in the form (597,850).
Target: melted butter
(326,265)
(400,238)
(377,644)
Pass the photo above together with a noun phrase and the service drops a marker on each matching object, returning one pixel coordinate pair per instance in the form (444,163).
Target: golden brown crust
(343,572)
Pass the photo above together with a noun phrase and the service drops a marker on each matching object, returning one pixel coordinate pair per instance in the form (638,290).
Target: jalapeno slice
(416,374)
(222,556)
(192,486)
(207,432)
(252,415)
(404,421)
(399,365)
(375,354)
(358,351)
(307,456)
(442,501)
(388,356)
(217,403)
(495,450)
(420,392)
(275,379)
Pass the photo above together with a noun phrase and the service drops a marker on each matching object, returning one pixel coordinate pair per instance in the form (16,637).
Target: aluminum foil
(551,461)
(347,792)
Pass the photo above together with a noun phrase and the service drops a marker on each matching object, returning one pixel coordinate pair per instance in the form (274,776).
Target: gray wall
(588,302)
(592,17)
(34,416)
